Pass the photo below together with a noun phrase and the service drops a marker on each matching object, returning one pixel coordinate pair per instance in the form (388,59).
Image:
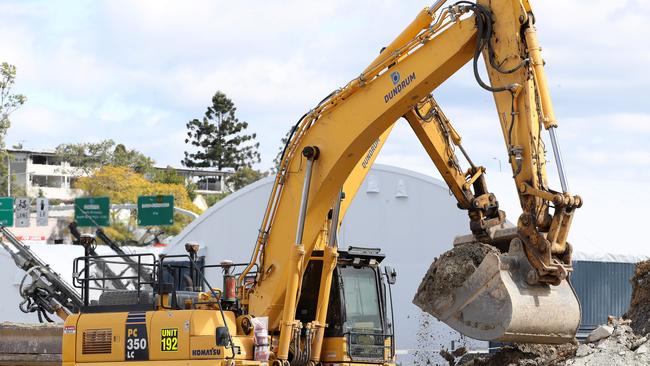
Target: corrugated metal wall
(603,288)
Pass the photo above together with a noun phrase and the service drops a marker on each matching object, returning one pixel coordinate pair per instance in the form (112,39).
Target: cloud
(153,65)
(137,71)
(633,158)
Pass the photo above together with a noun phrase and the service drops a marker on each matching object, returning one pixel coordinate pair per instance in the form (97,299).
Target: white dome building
(413,218)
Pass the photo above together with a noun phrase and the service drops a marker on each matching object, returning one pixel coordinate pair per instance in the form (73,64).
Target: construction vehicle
(43,290)
(46,293)
(330,306)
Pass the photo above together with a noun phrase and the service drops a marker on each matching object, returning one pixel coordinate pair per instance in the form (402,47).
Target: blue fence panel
(603,288)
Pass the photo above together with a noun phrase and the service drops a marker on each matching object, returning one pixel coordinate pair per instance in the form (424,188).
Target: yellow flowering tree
(123,185)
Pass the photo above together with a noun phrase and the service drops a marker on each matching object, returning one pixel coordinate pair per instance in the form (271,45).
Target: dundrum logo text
(399,87)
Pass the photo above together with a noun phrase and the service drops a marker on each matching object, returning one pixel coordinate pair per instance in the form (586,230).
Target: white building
(42,172)
(207,181)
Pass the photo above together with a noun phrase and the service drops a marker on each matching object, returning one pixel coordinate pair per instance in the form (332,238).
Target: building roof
(194,171)
(32,152)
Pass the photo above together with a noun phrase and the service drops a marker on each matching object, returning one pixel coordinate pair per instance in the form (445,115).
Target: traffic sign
(21,212)
(91,211)
(155,210)
(42,211)
(7,211)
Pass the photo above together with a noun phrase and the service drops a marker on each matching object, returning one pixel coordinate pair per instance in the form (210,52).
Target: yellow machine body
(169,337)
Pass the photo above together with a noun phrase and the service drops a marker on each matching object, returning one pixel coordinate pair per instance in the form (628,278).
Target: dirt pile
(525,355)
(639,312)
(448,272)
(612,345)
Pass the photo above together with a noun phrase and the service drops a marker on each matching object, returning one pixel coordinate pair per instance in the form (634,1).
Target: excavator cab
(360,314)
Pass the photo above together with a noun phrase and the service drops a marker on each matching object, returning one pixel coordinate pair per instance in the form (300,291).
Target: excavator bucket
(497,304)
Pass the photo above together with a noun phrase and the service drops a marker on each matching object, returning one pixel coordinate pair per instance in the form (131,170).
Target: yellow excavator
(304,301)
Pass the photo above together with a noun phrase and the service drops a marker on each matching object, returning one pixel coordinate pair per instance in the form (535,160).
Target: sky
(137,71)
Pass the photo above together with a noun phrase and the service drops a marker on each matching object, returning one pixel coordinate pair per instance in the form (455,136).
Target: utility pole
(499,160)
(8,176)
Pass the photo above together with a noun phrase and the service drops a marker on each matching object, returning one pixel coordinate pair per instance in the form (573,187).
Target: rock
(599,333)
(619,331)
(583,350)
(642,349)
(635,344)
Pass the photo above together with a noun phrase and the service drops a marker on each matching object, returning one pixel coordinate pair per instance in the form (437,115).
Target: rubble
(526,355)
(448,272)
(614,344)
(599,333)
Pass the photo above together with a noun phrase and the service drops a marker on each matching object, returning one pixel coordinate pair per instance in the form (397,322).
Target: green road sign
(7,211)
(91,211)
(155,210)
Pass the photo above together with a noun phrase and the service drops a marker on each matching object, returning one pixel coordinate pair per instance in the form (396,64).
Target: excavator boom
(323,155)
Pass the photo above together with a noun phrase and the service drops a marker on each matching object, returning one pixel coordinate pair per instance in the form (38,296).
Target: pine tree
(220,138)
(278,157)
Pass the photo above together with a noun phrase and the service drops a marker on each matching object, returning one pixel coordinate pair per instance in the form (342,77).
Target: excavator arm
(440,139)
(332,139)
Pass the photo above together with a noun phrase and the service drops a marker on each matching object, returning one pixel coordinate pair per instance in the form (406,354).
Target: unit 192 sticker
(169,339)
(136,347)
